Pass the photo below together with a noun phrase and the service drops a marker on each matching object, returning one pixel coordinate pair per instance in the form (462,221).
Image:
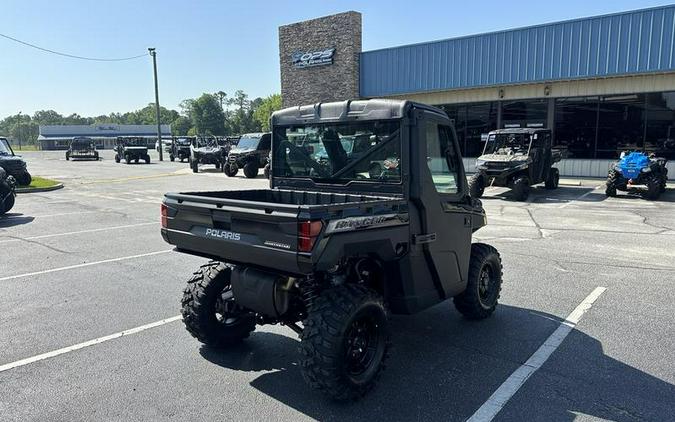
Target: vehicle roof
(373,109)
(520,130)
(253,134)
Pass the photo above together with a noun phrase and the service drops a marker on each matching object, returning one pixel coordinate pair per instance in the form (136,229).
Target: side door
(446,222)
(264,147)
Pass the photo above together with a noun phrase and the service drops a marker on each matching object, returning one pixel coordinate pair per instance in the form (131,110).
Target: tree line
(209,114)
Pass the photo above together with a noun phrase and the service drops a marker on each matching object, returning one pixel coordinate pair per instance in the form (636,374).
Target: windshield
(364,151)
(140,142)
(508,144)
(248,143)
(4,147)
(80,143)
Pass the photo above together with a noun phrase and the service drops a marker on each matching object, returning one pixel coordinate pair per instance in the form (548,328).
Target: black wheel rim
(364,347)
(227,312)
(487,286)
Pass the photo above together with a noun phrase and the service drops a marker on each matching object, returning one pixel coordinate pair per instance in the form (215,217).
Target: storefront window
(621,124)
(575,125)
(660,133)
(481,118)
(530,113)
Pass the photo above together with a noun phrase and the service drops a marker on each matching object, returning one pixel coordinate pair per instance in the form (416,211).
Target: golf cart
(638,172)
(516,158)
(13,164)
(180,148)
(82,147)
(131,148)
(205,149)
(331,248)
(250,153)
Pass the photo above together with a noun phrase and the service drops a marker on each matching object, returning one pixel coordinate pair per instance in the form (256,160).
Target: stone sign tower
(319,59)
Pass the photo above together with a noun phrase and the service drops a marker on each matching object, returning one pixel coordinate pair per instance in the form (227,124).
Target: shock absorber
(309,292)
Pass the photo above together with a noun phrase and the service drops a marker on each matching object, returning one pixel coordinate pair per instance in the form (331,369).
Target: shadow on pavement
(14,219)
(443,367)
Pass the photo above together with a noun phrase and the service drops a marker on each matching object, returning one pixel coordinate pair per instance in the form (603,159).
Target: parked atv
(332,248)
(518,159)
(250,154)
(82,147)
(131,148)
(637,172)
(7,191)
(205,150)
(13,164)
(180,148)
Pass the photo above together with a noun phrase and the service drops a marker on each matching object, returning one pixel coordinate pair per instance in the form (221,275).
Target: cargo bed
(259,226)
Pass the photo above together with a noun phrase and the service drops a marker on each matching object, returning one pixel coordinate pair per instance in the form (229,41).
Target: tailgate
(234,231)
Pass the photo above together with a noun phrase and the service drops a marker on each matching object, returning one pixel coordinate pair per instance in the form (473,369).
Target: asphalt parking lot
(81,265)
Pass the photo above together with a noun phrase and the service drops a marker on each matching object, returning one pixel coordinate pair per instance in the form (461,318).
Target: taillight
(308,231)
(164,213)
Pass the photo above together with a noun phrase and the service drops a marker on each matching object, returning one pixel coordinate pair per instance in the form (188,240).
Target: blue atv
(637,172)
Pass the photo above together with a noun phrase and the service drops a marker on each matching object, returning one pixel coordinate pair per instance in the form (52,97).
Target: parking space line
(86,264)
(89,343)
(510,387)
(51,215)
(580,197)
(46,236)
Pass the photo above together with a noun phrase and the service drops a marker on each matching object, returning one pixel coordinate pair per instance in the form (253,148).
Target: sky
(209,46)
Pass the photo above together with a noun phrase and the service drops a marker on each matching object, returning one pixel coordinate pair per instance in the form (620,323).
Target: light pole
(153,53)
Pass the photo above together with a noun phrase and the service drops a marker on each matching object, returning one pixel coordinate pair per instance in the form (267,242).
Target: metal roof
(635,42)
(105,130)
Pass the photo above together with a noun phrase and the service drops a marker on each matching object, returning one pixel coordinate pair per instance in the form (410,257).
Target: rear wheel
(251,169)
(481,296)
(67,155)
(147,159)
(96,157)
(553,179)
(612,182)
(345,341)
(117,158)
(521,188)
(476,185)
(172,158)
(209,310)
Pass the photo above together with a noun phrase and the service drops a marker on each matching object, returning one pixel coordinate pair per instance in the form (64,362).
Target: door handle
(420,239)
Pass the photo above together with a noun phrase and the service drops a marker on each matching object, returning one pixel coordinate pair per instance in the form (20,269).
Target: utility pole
(153,53)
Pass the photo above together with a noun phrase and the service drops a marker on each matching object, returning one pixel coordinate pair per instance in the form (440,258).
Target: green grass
(15,147)
(41,182)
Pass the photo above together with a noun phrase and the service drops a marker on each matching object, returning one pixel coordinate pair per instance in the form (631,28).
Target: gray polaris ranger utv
(82,147)
(334,246)
(518,159)
(13,164)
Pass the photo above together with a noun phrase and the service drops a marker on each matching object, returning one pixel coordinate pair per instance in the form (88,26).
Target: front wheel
(251,170)
(117,158)
(195,166)
(653,188)
(24,179)
(230,170)
(480,298)
(345,341)
(147,159)
(553,179)
(476,186)
(209,310)
(7,204)
(172,158)
(521,188)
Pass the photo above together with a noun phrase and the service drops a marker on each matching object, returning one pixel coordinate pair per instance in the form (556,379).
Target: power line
(72,56)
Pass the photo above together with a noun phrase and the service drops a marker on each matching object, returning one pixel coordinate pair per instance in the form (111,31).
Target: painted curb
(36,190)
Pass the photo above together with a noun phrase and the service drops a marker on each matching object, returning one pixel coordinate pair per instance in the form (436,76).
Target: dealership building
(104,135)
(602,84)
